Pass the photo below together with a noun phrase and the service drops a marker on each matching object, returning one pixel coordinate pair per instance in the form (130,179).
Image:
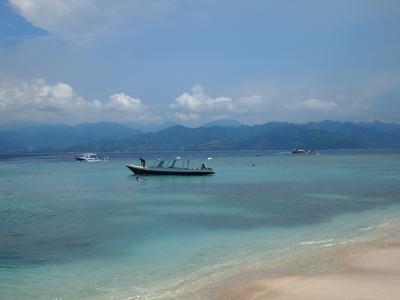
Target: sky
(195,61)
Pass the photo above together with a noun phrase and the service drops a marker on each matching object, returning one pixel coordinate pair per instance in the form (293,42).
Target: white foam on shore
(317,242)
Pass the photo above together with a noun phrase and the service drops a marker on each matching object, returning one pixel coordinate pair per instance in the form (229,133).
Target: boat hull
(89,160)
(139,170)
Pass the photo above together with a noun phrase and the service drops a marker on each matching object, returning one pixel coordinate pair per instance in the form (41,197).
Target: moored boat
(162,168)
(90,157)
(303,151)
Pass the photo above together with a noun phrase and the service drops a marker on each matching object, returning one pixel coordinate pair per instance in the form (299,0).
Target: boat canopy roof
(178,163)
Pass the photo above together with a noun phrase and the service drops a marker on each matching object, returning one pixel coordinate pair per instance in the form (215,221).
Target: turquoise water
(72,230)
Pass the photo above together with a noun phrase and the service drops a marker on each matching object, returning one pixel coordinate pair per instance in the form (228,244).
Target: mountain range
(226,135)
(51,138)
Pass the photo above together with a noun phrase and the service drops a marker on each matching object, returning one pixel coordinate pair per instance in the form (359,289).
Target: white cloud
(265,101)
(39,101)
(198,101)
(81,20)
(197,105)
(123,102)
(318,104)
(296,102)
(186,116)
(38,95)
(254,103)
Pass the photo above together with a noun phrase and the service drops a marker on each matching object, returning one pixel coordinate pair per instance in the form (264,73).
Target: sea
(76,230)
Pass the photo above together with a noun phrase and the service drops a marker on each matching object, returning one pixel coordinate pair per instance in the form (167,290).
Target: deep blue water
(76,230)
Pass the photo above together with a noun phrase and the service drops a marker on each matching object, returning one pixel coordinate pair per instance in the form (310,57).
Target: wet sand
(367,272)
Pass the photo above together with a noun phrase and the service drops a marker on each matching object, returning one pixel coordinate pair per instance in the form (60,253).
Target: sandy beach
(367,272)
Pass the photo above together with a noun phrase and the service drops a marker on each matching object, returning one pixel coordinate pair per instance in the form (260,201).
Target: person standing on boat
(142,162)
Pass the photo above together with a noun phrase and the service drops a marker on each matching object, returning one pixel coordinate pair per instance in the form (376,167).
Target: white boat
(90,157)
(303,151)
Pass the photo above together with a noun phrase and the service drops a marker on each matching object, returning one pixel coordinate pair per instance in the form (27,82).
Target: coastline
(319,270)
(361,270)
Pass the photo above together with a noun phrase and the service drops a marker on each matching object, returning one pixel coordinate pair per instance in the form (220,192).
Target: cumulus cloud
(39,101)
(78,20)
(198,101)
(39,96)
(123,102)
(196,104)
(296,102)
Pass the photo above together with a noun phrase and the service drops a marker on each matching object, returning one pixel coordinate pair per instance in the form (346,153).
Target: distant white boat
(90,157)
(303,151)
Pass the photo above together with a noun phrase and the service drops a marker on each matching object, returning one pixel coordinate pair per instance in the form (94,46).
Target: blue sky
(192,61)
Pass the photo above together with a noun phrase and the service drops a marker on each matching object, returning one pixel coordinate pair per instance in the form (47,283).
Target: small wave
(347,241)
(282,153)
(315,242)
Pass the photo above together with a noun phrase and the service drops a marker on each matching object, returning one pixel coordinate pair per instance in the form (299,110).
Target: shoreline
(310,267)
(365,270)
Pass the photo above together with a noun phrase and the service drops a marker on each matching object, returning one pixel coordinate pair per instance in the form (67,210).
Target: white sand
(369,273)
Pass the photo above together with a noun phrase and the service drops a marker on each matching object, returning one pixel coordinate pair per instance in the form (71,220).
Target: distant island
(224,135)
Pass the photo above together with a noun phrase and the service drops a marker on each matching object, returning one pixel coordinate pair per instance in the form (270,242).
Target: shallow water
(76,230)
